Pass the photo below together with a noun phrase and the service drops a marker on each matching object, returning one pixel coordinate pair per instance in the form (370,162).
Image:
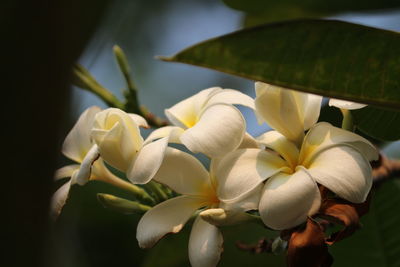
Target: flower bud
(117,136)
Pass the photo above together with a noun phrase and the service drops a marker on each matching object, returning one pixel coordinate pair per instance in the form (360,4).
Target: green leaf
(326,57)
(261,11)
(377,243)
(378,123)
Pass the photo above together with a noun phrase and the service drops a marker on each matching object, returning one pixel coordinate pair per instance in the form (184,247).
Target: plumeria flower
(121,145)
(207,122)
(79,147)
(199,190)
(293,167)
(343,104)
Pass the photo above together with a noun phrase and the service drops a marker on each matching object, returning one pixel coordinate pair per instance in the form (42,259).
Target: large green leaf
(377,244)
(378,123)
(263,11)
(326,57)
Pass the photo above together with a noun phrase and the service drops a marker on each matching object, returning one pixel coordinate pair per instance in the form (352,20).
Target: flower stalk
(122,205)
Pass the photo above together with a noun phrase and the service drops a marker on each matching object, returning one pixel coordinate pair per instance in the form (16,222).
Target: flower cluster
(277,174)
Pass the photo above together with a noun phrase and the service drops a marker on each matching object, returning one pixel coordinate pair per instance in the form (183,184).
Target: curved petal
(183,173)
(233,97)
(59,199)
(277,106)
(78,142)
(85,170)
(167,217)
(205,244)
(139,120)
(186,113)
(172,132)
(344,171)
(248,142)
(309,106)
(66,171)
(220,130)
(287,200)
(147,162)
(323,136)
(240,172)
(345,104)
(279,143)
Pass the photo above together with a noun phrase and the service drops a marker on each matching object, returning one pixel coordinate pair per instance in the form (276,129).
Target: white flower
(120,144)
(343,104)
(79,147)
(207,122)
(186,175)
(330,156)
(287,111)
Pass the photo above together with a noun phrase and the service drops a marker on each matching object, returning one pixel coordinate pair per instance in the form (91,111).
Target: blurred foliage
(266,11)
(377,242)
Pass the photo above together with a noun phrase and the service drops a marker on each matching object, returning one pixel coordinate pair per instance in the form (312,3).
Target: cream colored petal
(279,143)
(147,162)
(323,136)
(59,199)
(240,172)
(309,106)
(78,142)
(66,171)
(186,113)
(118,137)
(287,200)
(248,142)
(183,173)
(85,169)
(167,217)
(277,106)
(139,120)
(345,104)
(220,130)
(233,97)
(344,171)
(205,244)
(173,132)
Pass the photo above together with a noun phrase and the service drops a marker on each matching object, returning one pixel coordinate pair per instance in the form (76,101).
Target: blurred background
(86,234)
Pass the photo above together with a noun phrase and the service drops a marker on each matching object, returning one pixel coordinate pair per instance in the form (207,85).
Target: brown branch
(384,169)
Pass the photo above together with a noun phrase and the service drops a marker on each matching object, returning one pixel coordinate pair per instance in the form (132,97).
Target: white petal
(345,104)
(58,200)
(233,97)
(240,172)
(220,130)
(186,113)
(279,143)
(139,120)
(278,107)
(167,217)
(309,106)
(147,162)
(117,136)
(183,173)
(287,200)
(172,132)
(323,136)
(344,171)
(205,244)
(85,169)
(66,171)
(78,142)
(248,142)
